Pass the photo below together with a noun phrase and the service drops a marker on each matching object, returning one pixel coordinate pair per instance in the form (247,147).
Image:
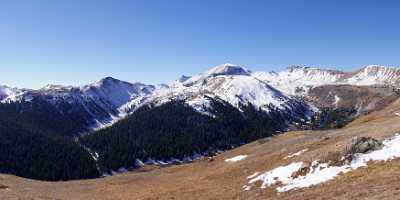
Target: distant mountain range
(108,100)
(121,125)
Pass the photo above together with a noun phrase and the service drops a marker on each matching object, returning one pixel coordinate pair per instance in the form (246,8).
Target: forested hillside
(39,155)
(37,138)
(176,130)
(39,114)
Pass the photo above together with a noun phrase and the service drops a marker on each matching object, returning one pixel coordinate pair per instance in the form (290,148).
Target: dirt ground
(219,180)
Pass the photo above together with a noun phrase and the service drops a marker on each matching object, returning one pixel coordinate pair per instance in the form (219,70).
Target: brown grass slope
(364,99)
(219,180)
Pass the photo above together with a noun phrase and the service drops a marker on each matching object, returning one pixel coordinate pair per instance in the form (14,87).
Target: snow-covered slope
(227,82)
(100,103)
(106,100)
(224,69)
(298,80)
(8,94)
(117,94)
(375,74)
(237,85)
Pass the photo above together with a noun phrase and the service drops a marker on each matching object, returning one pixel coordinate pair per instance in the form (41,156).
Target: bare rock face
(364,145)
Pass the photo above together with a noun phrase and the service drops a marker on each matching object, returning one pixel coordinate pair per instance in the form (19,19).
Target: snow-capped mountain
(239,86)
(230,83)
(108,100)
(374,75)
(299,80)
(117,94)
(226,69)
(98,104)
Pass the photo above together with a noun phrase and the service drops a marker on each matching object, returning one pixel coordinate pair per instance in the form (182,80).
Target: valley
(199,100)
(218,179)
(198,137)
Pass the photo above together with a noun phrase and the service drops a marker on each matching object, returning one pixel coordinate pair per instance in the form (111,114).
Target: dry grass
(334,158)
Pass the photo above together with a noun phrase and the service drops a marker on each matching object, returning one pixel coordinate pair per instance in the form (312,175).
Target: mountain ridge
(310,73)
(117,122)
(113,99)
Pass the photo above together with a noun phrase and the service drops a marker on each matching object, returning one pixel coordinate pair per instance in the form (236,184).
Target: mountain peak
(4,90)
(108,79)
(183,78)
(56,87)
(296,67)
(227,69)
(220,70)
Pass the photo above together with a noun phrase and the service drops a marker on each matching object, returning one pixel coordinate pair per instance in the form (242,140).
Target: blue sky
(79,41)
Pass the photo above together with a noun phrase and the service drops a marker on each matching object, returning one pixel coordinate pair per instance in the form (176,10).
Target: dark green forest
(328,118)
(175,130)
(39,114)
(37,155)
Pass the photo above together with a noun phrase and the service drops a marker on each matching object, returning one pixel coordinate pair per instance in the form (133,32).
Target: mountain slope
(215,110)
(115,94)
(299,80)
(175,130)
(230,83)
(88,107)
(104,102)
(218,179)
(8,94)
(374,74)
(37,154)
(363,99)
(221,108)
(230,106)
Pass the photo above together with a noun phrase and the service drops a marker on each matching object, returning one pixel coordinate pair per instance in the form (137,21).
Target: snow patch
(246,188)
(139,163)
(337,99)
(296,154)
(236,158)
(281,175)
(320,172)
(253,175)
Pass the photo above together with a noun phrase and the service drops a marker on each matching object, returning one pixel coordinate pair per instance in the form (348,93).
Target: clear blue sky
(79,41)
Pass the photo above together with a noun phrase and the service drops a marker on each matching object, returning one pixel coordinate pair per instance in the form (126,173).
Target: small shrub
(3,187)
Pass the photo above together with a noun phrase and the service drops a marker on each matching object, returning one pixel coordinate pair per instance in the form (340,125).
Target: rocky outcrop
(364,145)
